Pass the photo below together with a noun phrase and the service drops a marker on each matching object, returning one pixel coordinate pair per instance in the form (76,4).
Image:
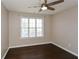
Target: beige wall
(14,31)
(4,30)
(64,29)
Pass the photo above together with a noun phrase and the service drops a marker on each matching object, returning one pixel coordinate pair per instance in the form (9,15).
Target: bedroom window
(31,27)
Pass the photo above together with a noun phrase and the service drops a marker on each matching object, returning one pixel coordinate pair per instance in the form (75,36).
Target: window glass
(31,22)
(31,32)
(24,33)
(24,22)
(39,22)
(39,32)
(31,27)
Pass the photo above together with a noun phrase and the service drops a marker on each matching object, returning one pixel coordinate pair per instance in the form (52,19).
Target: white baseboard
(65,49)
(5,53)
(29,45)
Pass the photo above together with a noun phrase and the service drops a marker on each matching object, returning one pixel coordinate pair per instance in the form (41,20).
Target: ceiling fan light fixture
(44,8)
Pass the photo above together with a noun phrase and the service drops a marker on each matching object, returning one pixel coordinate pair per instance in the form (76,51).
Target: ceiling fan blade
(42,5)
(45,1)
(50,8)
(56,2)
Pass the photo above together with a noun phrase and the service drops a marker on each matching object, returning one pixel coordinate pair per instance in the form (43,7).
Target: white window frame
(35,27)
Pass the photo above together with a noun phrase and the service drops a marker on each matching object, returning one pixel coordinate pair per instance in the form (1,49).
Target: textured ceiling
(22,6)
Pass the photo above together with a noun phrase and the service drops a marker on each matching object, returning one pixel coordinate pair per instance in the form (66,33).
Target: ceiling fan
(45,5)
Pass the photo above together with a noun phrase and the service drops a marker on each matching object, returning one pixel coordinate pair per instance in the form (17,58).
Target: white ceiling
(22,6)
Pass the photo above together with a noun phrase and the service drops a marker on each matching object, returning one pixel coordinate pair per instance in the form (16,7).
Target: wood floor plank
(46,51)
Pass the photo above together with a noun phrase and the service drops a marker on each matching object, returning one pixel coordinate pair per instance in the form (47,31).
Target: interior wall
(4,30)
(64,29)
(14,31)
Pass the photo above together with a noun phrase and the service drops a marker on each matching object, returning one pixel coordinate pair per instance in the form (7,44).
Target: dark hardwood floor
(46,51)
